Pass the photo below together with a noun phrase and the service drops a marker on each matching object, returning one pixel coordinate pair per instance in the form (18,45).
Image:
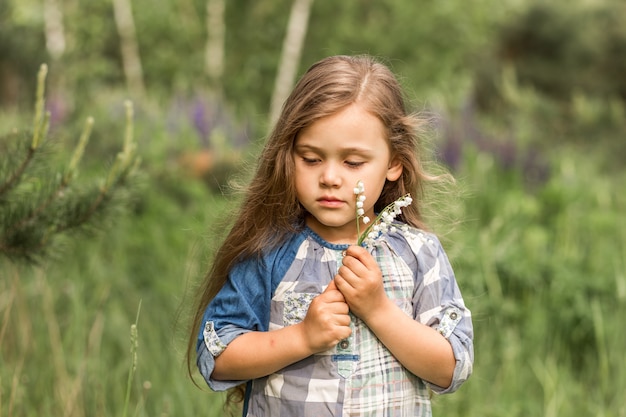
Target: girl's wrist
(301,340)
(379,316)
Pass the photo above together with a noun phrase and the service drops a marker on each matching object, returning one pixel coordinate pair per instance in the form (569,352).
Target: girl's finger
(362,255)
(354,265)
(331,286)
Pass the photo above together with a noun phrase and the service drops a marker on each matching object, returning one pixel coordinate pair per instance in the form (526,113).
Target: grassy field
(541,264)
(528,101)
(543,269)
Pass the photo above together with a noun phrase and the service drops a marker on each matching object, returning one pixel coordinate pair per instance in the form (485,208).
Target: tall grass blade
(134,343)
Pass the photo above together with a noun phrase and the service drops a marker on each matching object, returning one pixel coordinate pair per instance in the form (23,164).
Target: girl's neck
(334,235)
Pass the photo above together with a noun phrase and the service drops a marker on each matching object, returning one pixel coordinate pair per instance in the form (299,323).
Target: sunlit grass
(542,270)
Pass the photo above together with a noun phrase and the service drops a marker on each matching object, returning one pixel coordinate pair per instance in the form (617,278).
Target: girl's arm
(257,354)
(419,348)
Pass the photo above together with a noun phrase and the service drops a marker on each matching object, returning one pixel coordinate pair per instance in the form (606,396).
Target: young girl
(310,322)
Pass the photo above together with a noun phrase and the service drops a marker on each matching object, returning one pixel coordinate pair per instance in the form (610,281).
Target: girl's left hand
(361,282)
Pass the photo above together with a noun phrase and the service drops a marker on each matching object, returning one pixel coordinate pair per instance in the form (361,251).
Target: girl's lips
(330,202)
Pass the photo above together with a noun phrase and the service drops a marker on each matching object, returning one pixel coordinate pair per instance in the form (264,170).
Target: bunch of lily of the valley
(382,223)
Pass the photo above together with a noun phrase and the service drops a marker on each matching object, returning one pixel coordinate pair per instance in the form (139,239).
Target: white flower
(359,191)
(360,188)
(384,221)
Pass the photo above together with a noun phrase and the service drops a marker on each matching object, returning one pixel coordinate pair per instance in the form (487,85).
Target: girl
(313,324)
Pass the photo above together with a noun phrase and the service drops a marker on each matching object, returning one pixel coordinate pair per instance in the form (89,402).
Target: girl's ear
(395,170)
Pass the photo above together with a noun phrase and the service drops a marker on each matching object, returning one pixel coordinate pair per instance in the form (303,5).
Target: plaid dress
(359,376)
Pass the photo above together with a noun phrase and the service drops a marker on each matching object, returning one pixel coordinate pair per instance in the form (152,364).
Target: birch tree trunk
(290,56)
(214,57)
(129,46)
(53,27)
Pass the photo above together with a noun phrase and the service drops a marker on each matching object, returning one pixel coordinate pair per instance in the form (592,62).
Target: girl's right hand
(327,321)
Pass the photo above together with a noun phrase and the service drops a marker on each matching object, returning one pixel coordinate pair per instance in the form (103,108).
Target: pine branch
(15,176)
(65,182)
(41,123)
(42,119)
(48,205)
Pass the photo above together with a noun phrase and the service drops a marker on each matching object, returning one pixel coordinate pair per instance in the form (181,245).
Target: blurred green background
(527,101)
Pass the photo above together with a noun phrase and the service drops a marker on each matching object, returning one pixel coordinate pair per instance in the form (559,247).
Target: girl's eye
(354,164)
(309,160)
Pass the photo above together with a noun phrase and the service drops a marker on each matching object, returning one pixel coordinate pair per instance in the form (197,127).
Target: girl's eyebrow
(343,151)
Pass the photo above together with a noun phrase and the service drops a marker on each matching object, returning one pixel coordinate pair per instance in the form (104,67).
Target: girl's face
(330,157)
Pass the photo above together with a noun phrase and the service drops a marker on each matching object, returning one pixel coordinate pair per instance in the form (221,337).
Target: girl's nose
(330,177)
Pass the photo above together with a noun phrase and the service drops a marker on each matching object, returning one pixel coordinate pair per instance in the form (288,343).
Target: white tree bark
(129,46)
(290,56)
(53,27)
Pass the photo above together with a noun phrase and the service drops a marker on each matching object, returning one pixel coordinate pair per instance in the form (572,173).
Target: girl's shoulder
(419,239)
(279,257)
(414,245)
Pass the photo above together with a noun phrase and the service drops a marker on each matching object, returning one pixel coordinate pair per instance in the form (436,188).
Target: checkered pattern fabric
(359,377)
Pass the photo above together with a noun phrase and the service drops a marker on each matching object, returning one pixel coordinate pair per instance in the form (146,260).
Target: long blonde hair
(270,211)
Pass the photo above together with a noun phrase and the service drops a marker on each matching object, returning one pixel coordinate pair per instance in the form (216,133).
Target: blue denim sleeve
(241,306)
(211,347)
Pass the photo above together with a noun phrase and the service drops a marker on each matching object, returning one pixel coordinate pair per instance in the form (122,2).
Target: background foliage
(527,99)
